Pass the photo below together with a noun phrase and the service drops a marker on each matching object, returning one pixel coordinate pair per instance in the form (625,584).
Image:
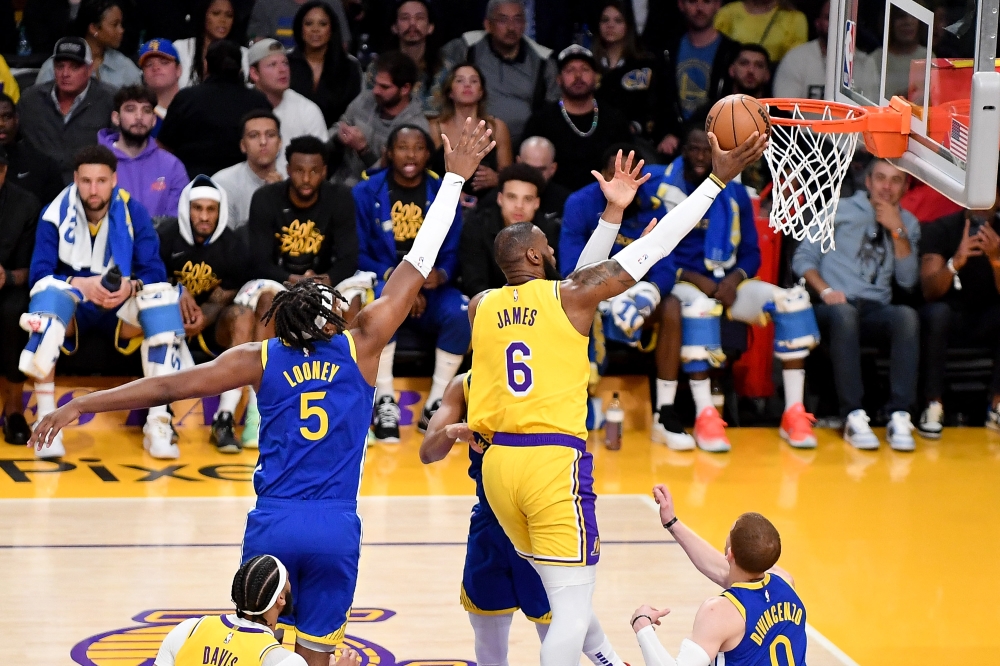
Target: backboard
(940,55)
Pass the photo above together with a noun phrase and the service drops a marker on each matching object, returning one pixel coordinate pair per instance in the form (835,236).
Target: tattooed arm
(585,288)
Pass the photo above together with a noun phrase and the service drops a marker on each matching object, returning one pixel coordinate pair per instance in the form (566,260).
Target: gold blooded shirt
(201,268)
(406,214)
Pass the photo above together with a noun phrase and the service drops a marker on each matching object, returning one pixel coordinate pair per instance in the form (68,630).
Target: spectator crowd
(217,149)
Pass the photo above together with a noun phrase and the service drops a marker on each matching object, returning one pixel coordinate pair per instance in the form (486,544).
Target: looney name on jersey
(788,611)
(300,238)
(323,371)
(516,315)
(197,278)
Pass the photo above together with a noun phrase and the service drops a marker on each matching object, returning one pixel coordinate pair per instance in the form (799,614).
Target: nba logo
(850,37)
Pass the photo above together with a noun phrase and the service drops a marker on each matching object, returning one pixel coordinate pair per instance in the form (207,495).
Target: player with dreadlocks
(261,592)
(315,388)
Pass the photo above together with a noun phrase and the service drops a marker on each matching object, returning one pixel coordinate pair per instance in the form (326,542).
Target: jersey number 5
(519,379)
(307,411)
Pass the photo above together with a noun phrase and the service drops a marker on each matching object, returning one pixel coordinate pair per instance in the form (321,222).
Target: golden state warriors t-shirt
(694,71)
(407,214)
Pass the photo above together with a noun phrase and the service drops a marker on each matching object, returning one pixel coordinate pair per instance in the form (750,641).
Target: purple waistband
(539,439)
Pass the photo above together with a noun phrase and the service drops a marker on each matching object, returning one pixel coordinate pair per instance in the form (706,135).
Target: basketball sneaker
(251,428)
(386,421)
(993,418)
(710,431)
(157,438)
(668,429)
(427,415)
(931,421)
(223,435)
(899,432)
(796,427)
(858,433)
(53,450)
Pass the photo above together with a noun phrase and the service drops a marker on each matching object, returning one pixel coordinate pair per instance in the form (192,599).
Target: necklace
(583,135)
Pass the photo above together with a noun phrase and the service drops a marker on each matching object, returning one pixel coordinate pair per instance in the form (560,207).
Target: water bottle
(614,420)
(718,397)
(112,280)
(23,45)
(364,52)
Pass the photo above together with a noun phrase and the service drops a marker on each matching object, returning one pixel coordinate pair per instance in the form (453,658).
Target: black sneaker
(385,421)
(16,430)
(425,418)
(223,436)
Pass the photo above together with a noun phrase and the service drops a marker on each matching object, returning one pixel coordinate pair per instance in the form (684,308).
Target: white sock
(492,632)
(155,412)
(795,386)
(251,398)
(228,401)
(598,648)
(571,593)
(701,391)
(383,380)
(445,368)
(45,398)
(666,391)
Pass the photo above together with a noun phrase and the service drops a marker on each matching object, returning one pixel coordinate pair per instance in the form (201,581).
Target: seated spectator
(375,113)
(391,205)
(261,143)
(18,219)
(161,73)
(802,71)
(876,245)
(575,126)
(274,18)
(91,231)
(774,24)
(214,22)
(537,151)
(204,256)
(906,44)
(321,69)
(517,72)
(203,127)
(61,117)
(270,74)
(960,278)
(464,97)
(412,35)
(517,201)
(27,168)
(750,72)
(99,22)
(147,172)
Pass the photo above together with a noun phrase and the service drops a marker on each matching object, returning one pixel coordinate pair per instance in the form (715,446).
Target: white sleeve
(173,641)
(437,223)
(283,657)
(599,245)
(654,654)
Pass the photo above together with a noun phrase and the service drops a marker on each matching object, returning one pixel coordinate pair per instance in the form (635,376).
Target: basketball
(734,118)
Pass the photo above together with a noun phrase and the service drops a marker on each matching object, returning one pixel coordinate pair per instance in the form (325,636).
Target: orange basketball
(734,118)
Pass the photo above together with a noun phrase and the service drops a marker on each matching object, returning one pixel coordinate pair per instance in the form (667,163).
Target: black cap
(73,48)
(576,52)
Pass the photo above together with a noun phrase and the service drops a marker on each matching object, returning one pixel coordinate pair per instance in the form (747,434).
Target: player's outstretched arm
(377,323)
(615,191)
(702,554)
(718,626)
(237,367)
(446,426)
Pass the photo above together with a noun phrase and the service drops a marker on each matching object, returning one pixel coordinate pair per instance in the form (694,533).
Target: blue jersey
(775,624)
(315,410)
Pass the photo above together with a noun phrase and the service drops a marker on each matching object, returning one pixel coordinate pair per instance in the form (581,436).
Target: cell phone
(975,222)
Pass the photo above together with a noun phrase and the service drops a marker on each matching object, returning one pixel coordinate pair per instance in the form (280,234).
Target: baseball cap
(73,48)
(262,49)
(158,47)
(576,52)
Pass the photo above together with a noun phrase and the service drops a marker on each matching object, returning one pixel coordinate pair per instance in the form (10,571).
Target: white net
(808,168)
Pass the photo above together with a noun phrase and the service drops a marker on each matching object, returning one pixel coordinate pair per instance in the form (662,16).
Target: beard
(133,139)
(387,103)
(551,272)
(95,209)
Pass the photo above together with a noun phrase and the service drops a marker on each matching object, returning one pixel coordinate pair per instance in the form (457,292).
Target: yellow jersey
(530,363)
(216,640)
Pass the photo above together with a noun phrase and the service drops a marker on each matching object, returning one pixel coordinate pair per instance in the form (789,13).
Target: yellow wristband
(715,179)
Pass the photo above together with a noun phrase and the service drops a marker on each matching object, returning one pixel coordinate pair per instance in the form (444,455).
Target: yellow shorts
(544,498)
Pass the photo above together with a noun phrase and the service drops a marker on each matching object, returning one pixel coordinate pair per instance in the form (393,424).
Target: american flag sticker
(958,140)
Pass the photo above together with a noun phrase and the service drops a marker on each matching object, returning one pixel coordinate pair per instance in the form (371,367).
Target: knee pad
(701,335)
(250,293)
(360,285)
(158,312)
(626,313)
(795,328)
(53,304)
(752,300)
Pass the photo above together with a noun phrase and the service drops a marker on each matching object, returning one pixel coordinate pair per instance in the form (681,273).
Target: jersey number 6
(306,411)
(519,379)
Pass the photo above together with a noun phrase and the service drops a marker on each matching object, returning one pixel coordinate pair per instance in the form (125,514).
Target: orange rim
(845,118)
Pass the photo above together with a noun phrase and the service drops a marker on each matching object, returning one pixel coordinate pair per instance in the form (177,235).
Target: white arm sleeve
(283,657)
(654,654)
(437,223)
(173,641)
(643,254)
(599,244)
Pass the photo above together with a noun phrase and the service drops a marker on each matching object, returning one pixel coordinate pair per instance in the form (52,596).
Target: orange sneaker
(710,431)
(796,427)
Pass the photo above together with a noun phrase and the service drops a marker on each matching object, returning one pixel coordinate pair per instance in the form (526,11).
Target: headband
(205,192)
(282,578)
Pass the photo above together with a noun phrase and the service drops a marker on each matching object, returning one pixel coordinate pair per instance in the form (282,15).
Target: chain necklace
(572,126)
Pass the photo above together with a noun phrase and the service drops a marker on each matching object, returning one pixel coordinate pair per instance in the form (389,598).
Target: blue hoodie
(155,177)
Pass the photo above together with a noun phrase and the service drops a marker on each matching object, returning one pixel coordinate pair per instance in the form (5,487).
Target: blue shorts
(496,580)
(319,542)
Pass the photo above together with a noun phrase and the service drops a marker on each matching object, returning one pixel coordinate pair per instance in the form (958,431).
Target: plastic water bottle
(364,52)
(112,280)
(614,421)
(23,45)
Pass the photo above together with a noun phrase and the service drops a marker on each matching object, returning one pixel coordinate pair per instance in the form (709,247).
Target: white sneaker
(899,432)
(53,450)
(858,433)
(157,438)
(674,437)
(931,421)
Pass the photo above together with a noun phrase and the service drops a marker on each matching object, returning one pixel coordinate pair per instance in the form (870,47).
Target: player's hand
(49,427)
(887,215)
(669,145)
(118,297)
(322,278)
(435,279)
(92,290)
(460,432)
(727,164)
(651,613)
(621,189)
(834,297)
(989,242)
(348,657)
(705,284)
(419,305)
(725,293)
(666,502)
(475,144)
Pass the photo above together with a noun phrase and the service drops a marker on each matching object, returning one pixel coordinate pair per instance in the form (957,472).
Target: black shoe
(174,435)
(386,420)
(16,430)
(425,418)
(223,437)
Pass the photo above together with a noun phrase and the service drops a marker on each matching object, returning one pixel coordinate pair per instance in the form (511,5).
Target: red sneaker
(710,431)
(796,427)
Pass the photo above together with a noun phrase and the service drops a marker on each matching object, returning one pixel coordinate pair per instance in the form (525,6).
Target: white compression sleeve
(641,255)
(654,654)
(599,245)
(437,223)
(492,633)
